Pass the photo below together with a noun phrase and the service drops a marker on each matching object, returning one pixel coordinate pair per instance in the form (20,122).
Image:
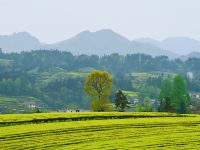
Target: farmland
(100,131)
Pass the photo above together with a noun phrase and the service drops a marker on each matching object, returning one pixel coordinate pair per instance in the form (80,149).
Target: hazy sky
(54,20)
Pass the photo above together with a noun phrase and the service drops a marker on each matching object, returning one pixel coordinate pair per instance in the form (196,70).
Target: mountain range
(104,42)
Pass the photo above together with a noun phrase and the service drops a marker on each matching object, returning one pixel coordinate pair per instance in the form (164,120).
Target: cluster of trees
(15,87)
(144,106)
(42,74)
(114,63)
(174,97)
(97,86)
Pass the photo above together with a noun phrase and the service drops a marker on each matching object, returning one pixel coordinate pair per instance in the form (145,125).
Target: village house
(30,104)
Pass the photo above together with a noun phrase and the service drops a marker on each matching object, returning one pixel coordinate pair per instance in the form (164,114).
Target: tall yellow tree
(97,86)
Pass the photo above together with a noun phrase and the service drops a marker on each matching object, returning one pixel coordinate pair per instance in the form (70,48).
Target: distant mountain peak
(102,42)
(107,41)
(20,35)
(20,41)
(105,31)
(86,32)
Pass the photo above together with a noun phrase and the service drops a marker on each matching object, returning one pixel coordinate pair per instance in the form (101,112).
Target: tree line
(113,63)
(173,97)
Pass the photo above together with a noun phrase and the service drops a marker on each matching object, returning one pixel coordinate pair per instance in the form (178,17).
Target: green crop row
(141,133)
(12,119)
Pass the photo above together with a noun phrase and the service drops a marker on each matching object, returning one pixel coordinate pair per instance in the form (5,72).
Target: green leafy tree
(97,86)
(138,107)
(180,96)
(147,105)
(167,106)
(121,101)
(165,96)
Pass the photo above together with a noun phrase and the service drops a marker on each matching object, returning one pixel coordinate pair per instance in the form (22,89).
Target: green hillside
(18,104)
(56,78)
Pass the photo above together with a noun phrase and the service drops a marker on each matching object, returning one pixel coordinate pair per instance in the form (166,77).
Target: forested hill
(114,63)
(55,79)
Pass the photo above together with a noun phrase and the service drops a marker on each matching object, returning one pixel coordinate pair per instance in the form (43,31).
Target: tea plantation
(99,131)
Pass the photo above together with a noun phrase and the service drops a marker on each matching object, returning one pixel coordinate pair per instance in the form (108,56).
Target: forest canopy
(57,78)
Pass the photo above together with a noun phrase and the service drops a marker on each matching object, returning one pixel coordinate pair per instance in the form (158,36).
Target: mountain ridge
(102,42)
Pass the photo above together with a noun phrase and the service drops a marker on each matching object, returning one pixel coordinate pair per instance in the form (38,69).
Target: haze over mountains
(179,45)
(104,42)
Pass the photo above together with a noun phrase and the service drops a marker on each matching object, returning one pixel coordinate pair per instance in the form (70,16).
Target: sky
(54,20)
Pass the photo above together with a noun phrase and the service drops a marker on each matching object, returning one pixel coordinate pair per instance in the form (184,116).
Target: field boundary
(84,118)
